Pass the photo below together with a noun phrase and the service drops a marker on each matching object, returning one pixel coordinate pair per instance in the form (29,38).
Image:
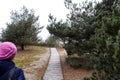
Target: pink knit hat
(7,50)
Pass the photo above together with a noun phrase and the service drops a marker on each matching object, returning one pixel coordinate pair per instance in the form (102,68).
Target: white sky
(41,7)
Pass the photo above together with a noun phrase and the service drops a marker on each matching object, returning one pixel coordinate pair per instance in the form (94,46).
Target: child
(8,51)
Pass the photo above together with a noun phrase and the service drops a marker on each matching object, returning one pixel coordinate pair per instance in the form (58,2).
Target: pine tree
(23,28)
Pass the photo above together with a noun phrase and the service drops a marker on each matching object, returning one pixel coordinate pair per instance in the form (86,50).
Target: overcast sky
(41,7)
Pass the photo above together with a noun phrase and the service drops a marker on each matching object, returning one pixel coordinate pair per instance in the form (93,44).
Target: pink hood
(7,50)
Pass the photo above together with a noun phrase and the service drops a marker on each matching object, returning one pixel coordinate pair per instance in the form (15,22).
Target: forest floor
(38,67)
(68,72)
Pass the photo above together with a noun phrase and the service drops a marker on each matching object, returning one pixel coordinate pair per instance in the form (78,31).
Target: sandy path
(32,72)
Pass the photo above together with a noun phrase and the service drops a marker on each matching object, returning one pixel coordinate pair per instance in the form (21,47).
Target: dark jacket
(6,66)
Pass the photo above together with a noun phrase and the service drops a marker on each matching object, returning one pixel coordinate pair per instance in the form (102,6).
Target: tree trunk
(22,46)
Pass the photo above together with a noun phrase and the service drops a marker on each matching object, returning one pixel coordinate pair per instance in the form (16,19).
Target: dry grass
(24,58)
(41,72)
(70,73)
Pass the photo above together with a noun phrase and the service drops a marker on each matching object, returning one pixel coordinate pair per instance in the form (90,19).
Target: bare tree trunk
(22,46)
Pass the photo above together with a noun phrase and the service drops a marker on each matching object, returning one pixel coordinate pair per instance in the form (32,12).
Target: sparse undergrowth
(70,73)
(33,59)
(24,58)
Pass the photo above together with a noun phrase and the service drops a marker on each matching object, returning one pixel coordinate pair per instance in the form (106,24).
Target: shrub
(73,62)
(79,61)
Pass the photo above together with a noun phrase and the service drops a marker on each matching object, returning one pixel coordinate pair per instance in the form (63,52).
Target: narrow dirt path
(37,68)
